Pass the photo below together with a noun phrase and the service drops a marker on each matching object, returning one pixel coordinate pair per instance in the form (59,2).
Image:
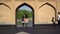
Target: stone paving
(30,30)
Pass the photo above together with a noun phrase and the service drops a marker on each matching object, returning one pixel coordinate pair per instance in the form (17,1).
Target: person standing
(26,20)
(59,19)
(53,22)
(22,21)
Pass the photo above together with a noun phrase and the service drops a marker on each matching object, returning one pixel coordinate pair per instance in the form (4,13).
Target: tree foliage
(20,13)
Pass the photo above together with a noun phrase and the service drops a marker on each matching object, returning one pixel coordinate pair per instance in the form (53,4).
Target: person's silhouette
(22,21)
(26,19)
(53,21)
(59,19)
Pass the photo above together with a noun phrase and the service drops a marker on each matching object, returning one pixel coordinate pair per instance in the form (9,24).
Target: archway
(5,5)
(50,6)
(5,14)
(32,13)
(47,11)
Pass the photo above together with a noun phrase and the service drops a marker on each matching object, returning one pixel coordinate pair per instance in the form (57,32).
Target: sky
(25,8)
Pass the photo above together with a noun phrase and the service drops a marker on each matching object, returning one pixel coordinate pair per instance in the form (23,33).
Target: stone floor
(30,30)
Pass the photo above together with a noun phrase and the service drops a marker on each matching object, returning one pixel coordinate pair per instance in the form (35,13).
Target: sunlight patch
(22,33)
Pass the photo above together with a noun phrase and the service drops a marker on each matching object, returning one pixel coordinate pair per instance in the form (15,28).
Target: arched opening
(47,11)
(23,9)
(5,14)
(50,6)
(5,5)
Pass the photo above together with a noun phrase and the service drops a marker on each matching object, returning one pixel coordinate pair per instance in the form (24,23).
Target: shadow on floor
(14,30)
(29,30)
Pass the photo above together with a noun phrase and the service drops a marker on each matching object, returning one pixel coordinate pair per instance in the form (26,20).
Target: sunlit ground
(22,33)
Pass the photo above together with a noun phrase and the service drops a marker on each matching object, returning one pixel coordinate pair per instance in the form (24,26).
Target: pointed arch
(29,7)
(50,6)
(5,5)
(23,5)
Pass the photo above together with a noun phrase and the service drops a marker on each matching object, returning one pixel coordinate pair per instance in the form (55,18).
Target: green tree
(20,13)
